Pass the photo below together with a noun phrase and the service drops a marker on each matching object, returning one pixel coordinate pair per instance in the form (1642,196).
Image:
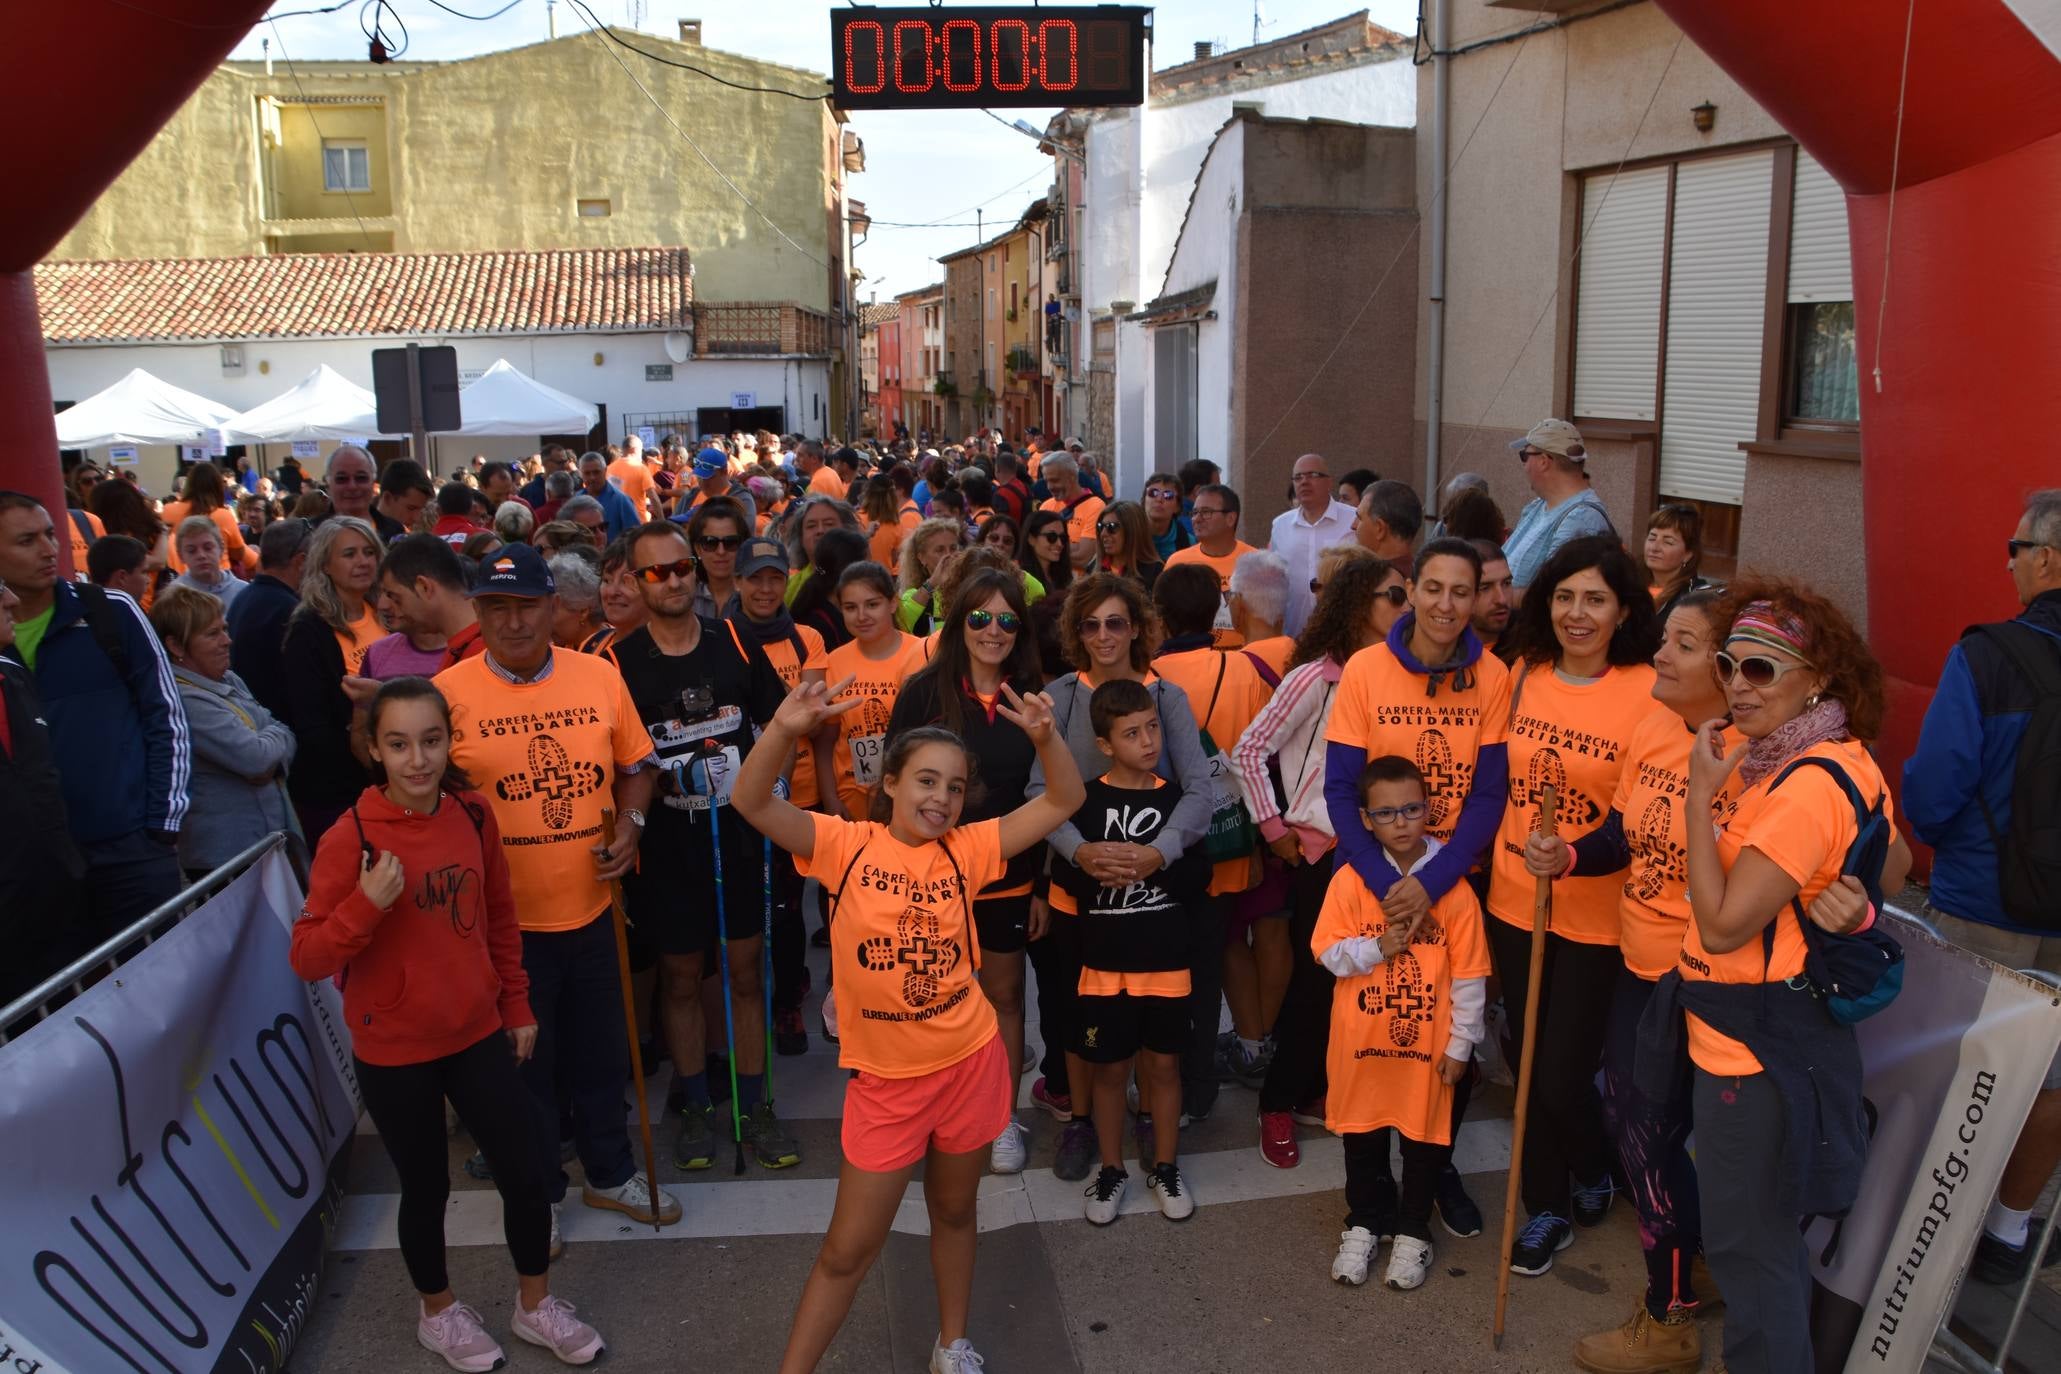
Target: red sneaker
(1060,1107)
(1277,1140)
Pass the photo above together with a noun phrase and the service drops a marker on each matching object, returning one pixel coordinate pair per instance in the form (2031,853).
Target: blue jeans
(582,1047)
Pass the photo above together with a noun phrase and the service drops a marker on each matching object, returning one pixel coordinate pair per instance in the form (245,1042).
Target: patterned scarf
(1815,725)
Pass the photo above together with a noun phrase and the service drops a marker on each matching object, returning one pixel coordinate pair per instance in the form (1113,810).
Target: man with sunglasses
(350,480)
(702,691)
(1315,522)
(1961,786)
(1563,507)
(716,530)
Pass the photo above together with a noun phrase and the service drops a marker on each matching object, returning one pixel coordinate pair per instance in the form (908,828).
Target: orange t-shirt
(1224,707)
(1390,1028)
(235,553)
(365,632)
(909,516)
(546,754)
(1227,638)
(826,482)
(79,541)
(1651,796)
(862,733)
(901,928)
(1804,829)
(1273,652)
(801,786)
(1080,521)
(1381,707)
(635,480)
(885,543)
(1573,737)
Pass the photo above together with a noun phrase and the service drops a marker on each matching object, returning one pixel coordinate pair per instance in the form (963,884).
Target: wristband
(1867,921)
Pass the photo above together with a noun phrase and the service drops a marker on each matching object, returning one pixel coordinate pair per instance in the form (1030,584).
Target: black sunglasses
(2018,546)
(711,542)
(1008,620)
(1107,527)
(660,572)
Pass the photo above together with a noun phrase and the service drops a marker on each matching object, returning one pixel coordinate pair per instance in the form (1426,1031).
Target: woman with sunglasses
(716,531)
(1045,555)
(1106,630)
(1583,684)
(1126,543)
(1169,528)
(983,646)
(1002,533)
(1674,548)
(1776,1098)
(1350,614)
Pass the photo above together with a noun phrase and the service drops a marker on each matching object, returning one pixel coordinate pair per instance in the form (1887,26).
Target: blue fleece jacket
(1480,814)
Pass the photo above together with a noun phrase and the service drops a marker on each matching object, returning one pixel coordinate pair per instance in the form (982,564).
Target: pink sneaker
(554,1327)
(458,1334)
(1278,1145)
(1061,1108)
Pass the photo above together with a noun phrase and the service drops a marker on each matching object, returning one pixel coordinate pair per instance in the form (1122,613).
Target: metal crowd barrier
(39,1002)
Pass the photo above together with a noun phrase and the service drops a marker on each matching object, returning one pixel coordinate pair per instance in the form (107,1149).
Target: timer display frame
(957,57)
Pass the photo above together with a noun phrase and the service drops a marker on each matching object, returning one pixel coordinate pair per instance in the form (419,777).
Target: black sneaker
(2003,1264)
(1077,1150)
(694,1144)
(790,1033)
(1592,1202)
(1543,1237)
(1456,1211)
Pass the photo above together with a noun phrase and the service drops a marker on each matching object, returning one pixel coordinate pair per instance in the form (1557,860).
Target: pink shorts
(891,1123)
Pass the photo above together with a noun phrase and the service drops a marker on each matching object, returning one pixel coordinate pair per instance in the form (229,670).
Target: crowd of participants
(1004,716)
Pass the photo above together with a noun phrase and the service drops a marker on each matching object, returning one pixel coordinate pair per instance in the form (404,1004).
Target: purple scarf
(1813,726)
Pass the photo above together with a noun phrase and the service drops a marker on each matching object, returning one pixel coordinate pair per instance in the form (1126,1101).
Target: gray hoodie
(1181,761)
(236,742)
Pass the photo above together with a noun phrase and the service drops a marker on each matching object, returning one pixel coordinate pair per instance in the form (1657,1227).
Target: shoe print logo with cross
(1446,779)
(918,947)
(554,779)
(1405,997)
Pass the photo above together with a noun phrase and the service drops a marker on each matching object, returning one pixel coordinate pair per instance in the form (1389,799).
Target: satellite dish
(678,346)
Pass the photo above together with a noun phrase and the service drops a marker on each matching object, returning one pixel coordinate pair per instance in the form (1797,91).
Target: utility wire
(309,106)
(593,22)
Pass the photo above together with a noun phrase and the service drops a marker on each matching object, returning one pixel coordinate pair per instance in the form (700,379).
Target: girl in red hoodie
(409,903)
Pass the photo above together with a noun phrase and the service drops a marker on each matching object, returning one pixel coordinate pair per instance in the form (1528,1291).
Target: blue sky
(920,166)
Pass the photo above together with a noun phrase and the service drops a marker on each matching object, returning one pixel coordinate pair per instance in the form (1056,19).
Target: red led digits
(1058,40)
(962,55)
(865,57)
(1011,61)
(912,50)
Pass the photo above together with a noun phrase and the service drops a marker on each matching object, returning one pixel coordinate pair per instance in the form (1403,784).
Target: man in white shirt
(1315,522)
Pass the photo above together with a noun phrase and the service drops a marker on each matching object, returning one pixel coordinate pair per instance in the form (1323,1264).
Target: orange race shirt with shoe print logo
(902,942)
(546,754)
(1390,1028)
(1571,737)
(862,733)
(1803,828)
(1652,797)
(1384,708)
(365,632)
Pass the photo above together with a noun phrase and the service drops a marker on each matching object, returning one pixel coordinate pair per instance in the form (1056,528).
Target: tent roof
(324,405)
(140,409)
(503,400)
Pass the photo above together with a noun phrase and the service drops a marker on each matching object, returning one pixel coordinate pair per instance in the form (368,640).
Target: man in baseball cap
(1562,507)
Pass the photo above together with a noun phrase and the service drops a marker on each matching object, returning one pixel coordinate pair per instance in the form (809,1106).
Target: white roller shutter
(1617,304)
(1820,258)
(1717,303)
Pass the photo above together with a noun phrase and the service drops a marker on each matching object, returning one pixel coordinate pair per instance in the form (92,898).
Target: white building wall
(1141,164)
(1207,251)
(565,361)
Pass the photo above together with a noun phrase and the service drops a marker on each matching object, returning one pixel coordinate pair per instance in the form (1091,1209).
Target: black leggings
(1564,1139)
(406,1103)
(1369,1186)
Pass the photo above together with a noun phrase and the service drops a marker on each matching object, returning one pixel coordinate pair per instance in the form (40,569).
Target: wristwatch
(634,816)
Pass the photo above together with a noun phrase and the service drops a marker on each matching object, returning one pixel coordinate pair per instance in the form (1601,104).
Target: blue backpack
(1858,974)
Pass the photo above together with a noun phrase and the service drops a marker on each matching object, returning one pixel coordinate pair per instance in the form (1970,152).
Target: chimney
(1204,50)
(690,31)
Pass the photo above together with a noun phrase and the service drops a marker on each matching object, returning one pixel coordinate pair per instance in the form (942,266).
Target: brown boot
(1709,1302)
(1643,1346)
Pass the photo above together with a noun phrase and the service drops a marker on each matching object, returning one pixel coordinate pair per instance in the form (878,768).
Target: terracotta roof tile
(315,295)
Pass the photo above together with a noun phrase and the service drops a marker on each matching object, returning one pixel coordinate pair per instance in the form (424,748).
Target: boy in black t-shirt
(1134,951)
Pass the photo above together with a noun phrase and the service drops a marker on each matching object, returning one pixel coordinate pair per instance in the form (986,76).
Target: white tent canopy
(325,405)
(505,401)
(140,409)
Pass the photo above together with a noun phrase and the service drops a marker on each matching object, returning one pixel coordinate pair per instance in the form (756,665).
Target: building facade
(922,334)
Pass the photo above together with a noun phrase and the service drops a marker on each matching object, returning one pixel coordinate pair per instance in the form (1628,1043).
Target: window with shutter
(1717,286)
(1617,301)
(1823,382)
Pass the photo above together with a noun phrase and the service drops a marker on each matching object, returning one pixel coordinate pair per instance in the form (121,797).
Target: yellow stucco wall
(494,152)
(293,170)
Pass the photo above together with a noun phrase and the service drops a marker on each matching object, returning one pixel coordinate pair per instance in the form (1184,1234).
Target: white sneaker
(1409,1260)
(957,1358)
(557,1250)
(633,1198)
(458,1334)
(554,1327)
(1170,1191)
(1355,1248)
(1105,1196)
(1010,1150)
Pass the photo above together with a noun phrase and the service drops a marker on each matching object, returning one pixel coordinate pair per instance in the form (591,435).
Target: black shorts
(1002,924)
(1114,1028)
(673,898)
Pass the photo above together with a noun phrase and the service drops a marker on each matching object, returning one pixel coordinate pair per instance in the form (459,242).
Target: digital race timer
(963,57)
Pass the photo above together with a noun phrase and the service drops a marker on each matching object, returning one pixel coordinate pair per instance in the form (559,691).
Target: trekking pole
(766,953)
(715,844)
(1541,912)
(622,966)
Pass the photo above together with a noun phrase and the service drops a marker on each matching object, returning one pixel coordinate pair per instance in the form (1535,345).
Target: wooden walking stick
(1541,912)
(622,966)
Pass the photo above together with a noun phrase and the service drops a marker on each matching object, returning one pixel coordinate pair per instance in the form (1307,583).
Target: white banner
(1952,1067)
(176,1145)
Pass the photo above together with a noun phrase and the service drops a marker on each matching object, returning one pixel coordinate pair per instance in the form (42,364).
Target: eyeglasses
(1311,476)
(1201,511)
(1162,494)
(1115,624)
(709,543)
(1008,620)
(1389,815)
(1055,536)
(665,572)
(1107,527)
(1755,670)
(2018,546)
(1525,455)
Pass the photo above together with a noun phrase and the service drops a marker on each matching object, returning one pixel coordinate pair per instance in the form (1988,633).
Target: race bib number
(867,751)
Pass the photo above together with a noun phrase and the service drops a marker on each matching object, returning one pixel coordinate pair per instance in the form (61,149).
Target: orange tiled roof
(317,295)
(877,314)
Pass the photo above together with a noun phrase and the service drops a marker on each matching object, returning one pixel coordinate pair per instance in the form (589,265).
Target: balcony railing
(760,329)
